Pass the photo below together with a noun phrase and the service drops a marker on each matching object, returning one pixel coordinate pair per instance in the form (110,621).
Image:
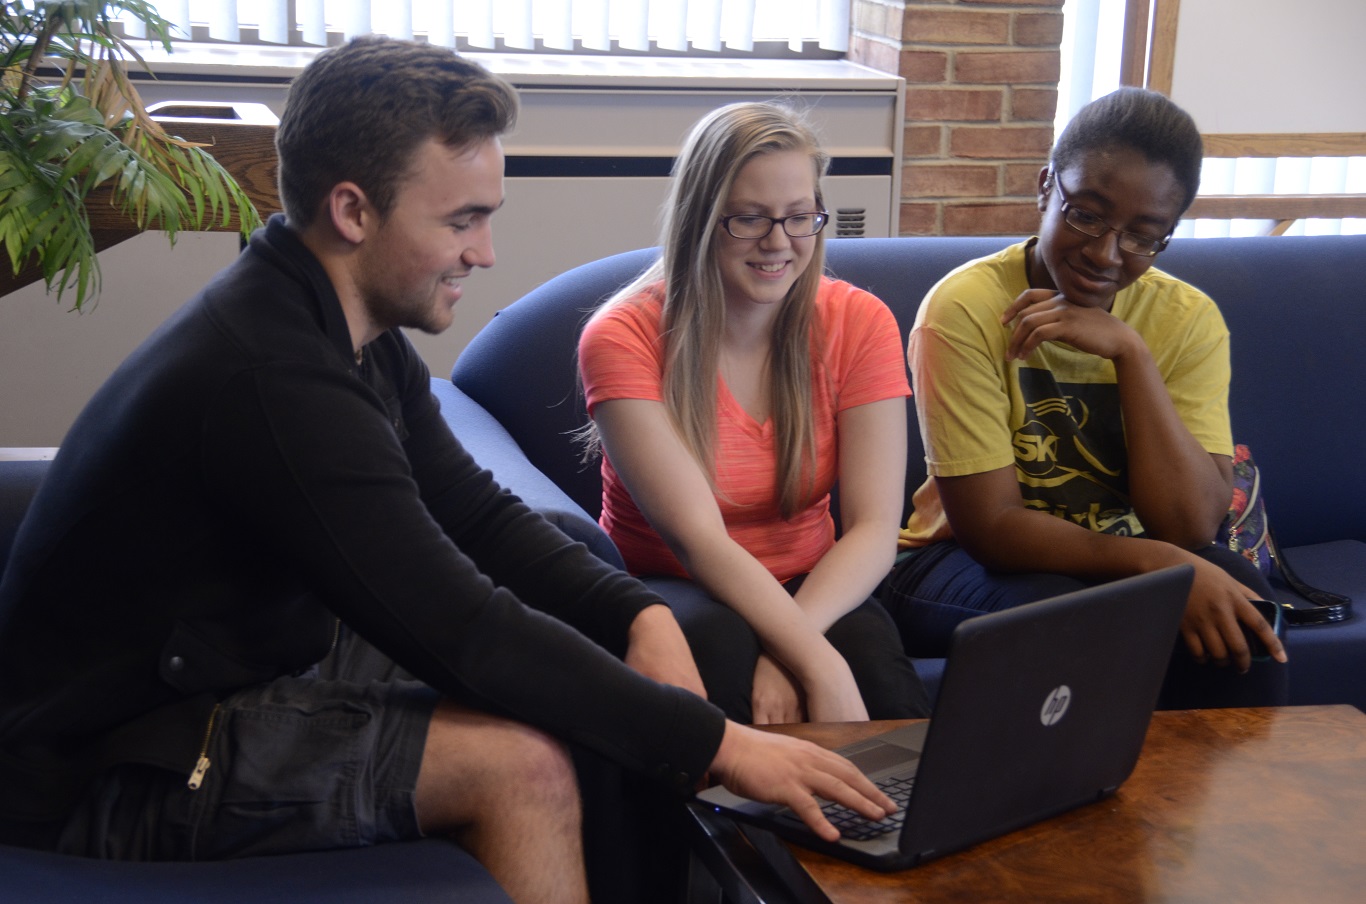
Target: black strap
(1328,607)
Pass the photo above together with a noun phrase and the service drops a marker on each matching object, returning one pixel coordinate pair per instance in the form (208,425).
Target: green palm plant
(73,123)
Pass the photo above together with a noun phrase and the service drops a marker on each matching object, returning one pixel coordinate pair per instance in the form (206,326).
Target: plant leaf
(58,144)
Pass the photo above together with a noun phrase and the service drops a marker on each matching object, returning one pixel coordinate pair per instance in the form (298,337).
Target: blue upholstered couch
(1299,329)
(1298,322)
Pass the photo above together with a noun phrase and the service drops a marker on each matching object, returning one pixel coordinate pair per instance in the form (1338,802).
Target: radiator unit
(588,164)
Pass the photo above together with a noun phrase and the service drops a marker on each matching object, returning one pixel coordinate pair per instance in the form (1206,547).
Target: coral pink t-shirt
(856,347)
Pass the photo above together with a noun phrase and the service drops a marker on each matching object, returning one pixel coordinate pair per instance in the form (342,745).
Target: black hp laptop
(1042,708)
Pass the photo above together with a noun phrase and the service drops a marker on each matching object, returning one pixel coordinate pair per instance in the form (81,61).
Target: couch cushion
(1328,662)
(413,872)
(1297,329)
(521,368)
(493,448)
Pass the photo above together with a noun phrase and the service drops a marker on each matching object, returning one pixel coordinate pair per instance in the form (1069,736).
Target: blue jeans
(934,588)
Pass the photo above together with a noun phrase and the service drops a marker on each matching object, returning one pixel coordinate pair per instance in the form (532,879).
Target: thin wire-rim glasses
(1091,225)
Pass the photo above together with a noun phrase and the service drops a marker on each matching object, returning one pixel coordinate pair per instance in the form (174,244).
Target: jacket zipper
(202,766)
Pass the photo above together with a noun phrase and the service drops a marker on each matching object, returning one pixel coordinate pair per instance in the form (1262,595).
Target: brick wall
(981,92)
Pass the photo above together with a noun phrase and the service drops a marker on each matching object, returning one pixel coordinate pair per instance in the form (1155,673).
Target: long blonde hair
(718,146)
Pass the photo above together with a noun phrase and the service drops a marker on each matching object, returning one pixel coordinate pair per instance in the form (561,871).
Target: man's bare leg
(508,794)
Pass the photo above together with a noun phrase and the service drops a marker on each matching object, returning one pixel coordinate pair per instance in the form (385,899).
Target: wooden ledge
(240,137)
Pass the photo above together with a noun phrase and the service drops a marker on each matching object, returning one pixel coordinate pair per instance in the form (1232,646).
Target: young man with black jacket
(265,602)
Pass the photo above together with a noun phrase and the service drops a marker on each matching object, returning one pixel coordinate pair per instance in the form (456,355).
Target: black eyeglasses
(1089,224)
(753,226)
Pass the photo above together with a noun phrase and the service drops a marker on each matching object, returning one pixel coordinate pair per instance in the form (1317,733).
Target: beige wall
(52,359)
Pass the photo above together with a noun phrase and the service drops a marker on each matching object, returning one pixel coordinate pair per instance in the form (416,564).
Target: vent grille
(851,222)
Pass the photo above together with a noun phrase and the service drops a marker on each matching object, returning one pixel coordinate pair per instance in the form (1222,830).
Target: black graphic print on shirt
(1070,456)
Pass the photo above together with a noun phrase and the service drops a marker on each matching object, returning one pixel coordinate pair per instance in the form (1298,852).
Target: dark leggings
(933,589)
(726,650)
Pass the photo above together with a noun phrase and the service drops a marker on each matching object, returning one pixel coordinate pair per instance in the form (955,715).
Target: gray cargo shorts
(328,759)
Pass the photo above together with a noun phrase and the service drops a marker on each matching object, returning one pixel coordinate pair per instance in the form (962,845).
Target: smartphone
(1272,612)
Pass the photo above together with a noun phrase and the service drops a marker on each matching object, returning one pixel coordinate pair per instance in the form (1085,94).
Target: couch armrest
(494,448)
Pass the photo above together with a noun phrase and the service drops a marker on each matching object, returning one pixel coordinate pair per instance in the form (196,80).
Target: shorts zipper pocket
(202,766)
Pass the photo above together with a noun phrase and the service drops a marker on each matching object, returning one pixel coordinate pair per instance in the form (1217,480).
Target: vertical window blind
(550,25)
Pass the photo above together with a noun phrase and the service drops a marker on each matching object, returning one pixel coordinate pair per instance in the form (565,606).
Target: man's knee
(540,770)
(475,763)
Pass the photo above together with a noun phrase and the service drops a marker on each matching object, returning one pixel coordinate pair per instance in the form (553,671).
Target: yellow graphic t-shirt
(1055,415)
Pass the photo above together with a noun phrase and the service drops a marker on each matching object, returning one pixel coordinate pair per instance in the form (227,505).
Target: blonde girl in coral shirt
(730,388)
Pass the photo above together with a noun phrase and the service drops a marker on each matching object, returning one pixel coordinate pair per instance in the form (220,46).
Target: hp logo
(1056,705)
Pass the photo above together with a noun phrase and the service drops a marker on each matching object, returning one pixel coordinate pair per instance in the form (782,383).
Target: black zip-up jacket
(241,483)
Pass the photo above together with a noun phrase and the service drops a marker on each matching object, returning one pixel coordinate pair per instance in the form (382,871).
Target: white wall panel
(1271,66)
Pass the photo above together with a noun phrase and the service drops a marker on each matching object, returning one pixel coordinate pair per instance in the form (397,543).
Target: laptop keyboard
(860,828)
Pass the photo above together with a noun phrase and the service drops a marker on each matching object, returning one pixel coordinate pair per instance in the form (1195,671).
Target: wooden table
(1245,805)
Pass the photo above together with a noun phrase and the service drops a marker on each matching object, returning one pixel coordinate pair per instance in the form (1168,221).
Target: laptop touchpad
(878,756)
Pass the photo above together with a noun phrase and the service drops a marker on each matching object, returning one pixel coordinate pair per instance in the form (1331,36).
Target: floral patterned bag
(1247,531)
(1245,527)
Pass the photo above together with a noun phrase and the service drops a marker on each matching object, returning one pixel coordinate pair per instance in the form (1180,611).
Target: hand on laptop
(1216,607)
(782,770)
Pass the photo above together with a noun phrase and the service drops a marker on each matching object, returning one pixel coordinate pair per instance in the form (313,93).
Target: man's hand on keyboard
(852,825)
(782,770)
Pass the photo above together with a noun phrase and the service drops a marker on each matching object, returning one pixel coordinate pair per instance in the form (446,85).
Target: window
(1093,32)
(668,26)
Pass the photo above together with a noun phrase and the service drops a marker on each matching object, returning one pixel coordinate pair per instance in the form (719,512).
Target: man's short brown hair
(358,112)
